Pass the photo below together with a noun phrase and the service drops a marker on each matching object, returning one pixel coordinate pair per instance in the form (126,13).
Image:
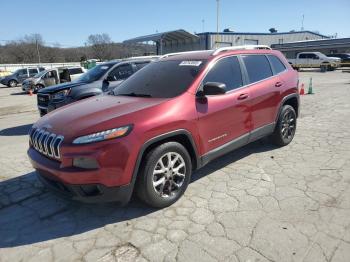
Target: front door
(227,117)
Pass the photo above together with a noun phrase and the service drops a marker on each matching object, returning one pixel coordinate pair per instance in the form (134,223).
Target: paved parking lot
(259,203)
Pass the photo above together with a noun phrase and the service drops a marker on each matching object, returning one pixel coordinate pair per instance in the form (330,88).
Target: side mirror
(214,88)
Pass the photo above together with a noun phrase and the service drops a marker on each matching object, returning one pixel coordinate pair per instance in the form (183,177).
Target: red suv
(168,119)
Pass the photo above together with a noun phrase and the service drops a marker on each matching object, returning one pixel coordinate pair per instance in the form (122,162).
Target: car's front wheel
(285,127)
(165,174)
(12,83)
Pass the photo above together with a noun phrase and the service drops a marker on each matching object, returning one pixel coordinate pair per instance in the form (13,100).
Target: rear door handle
(242,96)
(278,84)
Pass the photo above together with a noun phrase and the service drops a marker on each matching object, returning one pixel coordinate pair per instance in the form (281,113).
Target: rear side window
(277,65)
(75,71)
(121,72)
(303,56)
(33,71)
(258,67)
(140,65)
(227,71)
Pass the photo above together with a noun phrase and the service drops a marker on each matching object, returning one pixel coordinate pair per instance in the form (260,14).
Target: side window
(227,71)
(120,72)
(258,67)
(33,71)
(23,72)
(41,69)
(303,56)
(75,71)
(140,65)
(277,65)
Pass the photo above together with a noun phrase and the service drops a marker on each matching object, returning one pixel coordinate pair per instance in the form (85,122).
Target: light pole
(217,22)
(37,49)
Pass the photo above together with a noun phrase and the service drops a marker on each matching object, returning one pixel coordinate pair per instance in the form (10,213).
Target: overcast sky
(69,22)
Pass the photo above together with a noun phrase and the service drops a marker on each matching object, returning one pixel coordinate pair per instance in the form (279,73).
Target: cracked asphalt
(259,203)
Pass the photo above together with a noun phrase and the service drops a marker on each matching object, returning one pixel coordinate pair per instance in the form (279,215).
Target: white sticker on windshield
(190,63)
(104,67)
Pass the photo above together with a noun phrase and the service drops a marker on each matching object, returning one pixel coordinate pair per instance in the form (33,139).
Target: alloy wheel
(288,125)
(169,174)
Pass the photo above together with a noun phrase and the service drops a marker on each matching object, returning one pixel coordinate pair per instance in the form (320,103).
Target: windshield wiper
(134,94)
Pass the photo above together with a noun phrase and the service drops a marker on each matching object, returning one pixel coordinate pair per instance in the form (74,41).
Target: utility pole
(217,22)
(37,49)
(302,23)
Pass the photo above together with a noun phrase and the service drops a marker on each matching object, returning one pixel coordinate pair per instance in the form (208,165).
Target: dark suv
(100,79)
(20,75)
(170,118)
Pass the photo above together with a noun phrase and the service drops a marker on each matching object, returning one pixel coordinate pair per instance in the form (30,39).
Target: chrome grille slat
(46,143)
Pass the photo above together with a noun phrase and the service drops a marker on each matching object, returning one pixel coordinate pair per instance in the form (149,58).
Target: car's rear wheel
(165,174)
(286,126)
(12,83)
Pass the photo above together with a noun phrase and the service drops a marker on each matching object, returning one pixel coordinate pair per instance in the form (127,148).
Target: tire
(160,188)
(286,126)
(12,83)
(37,88)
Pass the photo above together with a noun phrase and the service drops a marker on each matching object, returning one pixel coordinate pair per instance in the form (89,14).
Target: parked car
(168,119)
(51,77)
(96,81)
(314,60)
(345,58)
(20,75)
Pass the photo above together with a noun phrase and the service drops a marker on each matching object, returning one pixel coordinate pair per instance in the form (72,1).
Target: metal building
(326,46)
(181,40)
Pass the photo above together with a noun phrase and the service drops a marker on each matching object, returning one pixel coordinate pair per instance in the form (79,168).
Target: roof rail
(141,57)
(240,47)
(180,53)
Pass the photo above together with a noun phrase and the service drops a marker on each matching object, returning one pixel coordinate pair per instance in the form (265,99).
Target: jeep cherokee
(168,119)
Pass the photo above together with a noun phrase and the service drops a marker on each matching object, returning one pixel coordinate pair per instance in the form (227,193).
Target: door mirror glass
(214,88)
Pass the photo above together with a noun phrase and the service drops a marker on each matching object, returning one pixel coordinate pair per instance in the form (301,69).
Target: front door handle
(278,84)
(242,96)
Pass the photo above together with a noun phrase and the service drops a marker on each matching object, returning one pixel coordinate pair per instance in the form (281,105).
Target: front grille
(45,142)
(43,99)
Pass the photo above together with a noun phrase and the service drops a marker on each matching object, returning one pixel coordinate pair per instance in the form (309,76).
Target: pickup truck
(314,60)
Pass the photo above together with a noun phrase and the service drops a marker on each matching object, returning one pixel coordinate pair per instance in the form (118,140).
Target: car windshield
(162,79)
(95,73)
(40,74)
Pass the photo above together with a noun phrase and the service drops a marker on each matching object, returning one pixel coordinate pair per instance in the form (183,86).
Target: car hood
(29,80)
(96,114)
(59,87)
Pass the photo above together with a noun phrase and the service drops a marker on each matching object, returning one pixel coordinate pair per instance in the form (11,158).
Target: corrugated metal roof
(177,35)
(249,33)
(314,43)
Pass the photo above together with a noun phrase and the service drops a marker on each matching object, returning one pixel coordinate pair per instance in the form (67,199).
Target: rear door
(223,118)
(264,90)
(303,60)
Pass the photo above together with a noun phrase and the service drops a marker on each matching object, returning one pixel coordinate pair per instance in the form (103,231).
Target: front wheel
(165,174)
(12,83)
(285,127)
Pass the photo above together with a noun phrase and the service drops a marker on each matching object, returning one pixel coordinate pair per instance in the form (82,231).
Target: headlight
(104,135)
(61,94)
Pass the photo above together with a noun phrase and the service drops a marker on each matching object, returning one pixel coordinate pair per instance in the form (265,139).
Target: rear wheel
(12,83)
(285,127)
(165,174)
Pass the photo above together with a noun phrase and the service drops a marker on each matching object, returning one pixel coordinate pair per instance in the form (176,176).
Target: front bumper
(111,181)
(92,193)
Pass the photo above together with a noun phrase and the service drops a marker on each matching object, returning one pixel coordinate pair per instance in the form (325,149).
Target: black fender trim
(287,97)
(156,139)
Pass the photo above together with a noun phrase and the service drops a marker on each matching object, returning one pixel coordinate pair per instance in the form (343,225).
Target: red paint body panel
(211,122)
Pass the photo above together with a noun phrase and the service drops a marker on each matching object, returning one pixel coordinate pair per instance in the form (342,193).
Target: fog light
(85,162)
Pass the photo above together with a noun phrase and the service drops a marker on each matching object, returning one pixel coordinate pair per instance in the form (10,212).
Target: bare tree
(100,45)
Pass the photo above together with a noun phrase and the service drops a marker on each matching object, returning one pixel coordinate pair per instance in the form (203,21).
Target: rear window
(141,65)
(277,65)
(75,71)
(258,67)
(162,79)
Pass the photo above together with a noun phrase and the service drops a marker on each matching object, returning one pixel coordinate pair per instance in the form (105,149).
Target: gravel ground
(259,203)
